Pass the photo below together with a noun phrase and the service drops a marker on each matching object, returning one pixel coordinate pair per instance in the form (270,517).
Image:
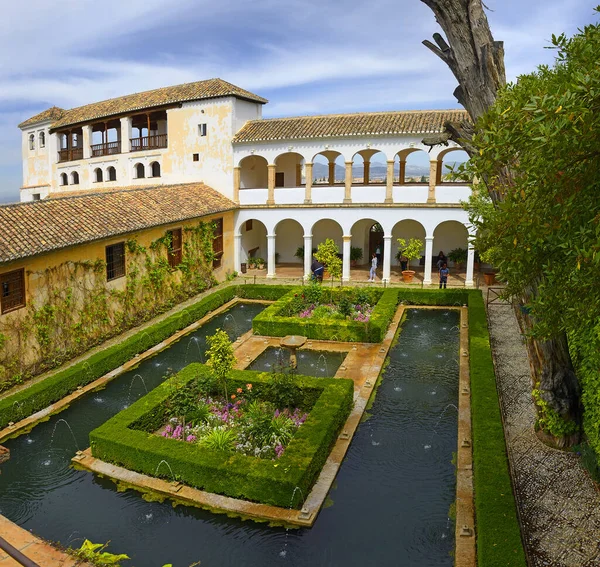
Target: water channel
(389,504)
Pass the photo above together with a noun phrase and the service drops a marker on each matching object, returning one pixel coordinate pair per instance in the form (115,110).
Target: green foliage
(345,306)
(356,254)
(412,249)
(282,389)
(458,255)
(550,420)
(327,253)
(220,440)
(124,439)
(220,357)
(94,553)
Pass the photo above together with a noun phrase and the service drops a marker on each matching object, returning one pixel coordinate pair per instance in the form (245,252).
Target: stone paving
(559,507)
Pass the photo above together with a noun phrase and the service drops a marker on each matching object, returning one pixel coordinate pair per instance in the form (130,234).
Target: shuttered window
(115,261)
(12,286)
(174,253)
(218,243)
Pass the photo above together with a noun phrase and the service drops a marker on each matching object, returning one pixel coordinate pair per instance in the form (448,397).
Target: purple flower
(190,438)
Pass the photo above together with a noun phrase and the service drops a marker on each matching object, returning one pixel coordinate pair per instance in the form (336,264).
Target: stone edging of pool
(29,422)
(363,364)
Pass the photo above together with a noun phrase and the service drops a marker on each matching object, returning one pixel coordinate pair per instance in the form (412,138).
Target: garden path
(559,507)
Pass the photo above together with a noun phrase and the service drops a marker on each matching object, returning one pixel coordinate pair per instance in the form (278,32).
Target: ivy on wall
(74,309)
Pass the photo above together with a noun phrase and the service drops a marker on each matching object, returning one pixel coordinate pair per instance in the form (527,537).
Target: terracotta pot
(407,276)
(490,278)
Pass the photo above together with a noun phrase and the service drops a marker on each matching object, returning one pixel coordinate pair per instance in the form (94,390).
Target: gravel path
(559,506)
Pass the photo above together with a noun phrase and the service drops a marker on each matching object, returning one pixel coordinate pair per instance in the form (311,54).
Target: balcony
(70,154)
(148,142)
(106,149)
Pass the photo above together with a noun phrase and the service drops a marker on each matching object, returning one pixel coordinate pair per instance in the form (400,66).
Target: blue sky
(305,56)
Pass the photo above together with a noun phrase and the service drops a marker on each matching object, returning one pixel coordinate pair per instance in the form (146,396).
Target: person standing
(378,253)
(441,260)
(373,268)
(444,272)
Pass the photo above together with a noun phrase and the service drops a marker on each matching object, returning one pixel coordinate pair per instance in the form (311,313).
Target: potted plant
(356,254)
(411,251)
(458,256)
(260,263)
(252,263)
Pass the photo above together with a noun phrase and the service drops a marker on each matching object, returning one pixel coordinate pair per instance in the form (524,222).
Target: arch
(64,180)
(448,236)
(253,241)
(323,172)
(288,171)
(32,141)
(111,173)
(253,172)
(98,177)
(289,237)
(155,168)
(363,237)
(140,171)
(445,166)
(74,178)
(407,229)
(416,166)
(327,228)
(42,139)
(374,166)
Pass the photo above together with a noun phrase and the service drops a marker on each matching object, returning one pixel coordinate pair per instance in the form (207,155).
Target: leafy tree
(327,253)
(412,249)
(220,357)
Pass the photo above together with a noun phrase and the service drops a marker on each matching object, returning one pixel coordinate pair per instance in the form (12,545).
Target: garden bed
(129,439)
(322,313)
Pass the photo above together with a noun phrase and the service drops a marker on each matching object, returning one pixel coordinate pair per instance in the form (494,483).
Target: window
(36,196)
(74,178)
(115,261)
(155,169)
(13,290)
(218,242)
(139,171)
(248,225)
(111,172)
(202,129)
(279,179)
(98,175)
(196,157)
(42,139)
(32,141)
(63,179)
(174,253)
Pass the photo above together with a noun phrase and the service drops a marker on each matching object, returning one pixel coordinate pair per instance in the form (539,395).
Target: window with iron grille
(218,242)
(12,285)
(175,245)
(115,261)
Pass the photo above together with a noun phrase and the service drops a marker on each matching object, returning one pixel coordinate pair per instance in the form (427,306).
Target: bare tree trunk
(477,62)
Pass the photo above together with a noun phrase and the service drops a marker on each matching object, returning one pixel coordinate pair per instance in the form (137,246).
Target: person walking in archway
(373,271)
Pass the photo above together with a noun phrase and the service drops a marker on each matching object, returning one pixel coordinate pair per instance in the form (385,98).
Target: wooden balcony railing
(70,155)
(106,149)
(148,142)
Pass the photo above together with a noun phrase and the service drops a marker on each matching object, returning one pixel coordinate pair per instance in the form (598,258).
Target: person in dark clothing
(444,271)
(441,260)
(317,270)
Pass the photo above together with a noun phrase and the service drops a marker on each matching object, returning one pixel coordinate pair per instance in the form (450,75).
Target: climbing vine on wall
(74,309)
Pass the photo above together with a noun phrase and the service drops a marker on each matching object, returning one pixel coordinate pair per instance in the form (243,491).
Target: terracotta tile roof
(342,125)
(28,229)
(53,113)
(211,88)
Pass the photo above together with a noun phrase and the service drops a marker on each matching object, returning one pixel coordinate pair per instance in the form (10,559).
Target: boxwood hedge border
(125,440)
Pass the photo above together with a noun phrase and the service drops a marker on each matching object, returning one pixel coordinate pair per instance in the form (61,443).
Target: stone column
(298,175)
(389,187)
(87,142)
(387,257)
(271,168)
(237,172)
(237,253)
(125,134)
(347,239)
(348,183)
(308,178)
(307,255)
(270,255)
(331,172)
(366,172)
(402,171)
(428,259)
(433,175)
(470,264)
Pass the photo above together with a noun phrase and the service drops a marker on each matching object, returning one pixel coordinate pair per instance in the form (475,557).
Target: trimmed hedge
(271,323)
(126,441)
(44,393)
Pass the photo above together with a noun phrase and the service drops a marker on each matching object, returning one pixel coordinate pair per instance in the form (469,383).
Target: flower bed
(360,315)
(129,439)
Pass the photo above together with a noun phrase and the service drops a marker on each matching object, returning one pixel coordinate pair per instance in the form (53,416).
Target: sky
(305,56)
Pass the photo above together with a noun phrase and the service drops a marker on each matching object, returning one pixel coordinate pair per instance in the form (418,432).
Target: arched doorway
(253,241)
(451,237)
(448,162)
(288,172)
(253,173)
(288,240)
(408,229)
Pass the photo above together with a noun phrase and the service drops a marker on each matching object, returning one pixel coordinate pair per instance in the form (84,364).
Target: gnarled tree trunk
(477,62)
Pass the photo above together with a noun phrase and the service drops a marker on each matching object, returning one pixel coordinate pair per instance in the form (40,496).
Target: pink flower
(190,438)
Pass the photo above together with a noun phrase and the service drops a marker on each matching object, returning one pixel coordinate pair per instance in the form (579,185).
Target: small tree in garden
(412,250)
(220,357)
(327,253)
